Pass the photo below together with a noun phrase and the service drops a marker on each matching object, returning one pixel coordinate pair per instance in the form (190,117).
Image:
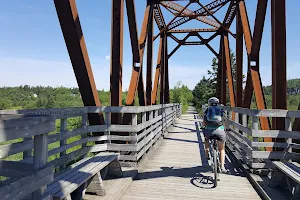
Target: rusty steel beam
(173,37)
(130,7)
(207,45)
(166,71)
(279,83)
(70,25)
(229,71)
(166,27)
(258,28)
(246,26)
(149,60)
(179,45)
(253,77)
(116,61)
(223,72)
(162,71)
(230,14)
(210,6)
(239,60)
(193,30)
(157,72)
(137,67)
(158,16)
(193,43)
(220,23)
(178,8)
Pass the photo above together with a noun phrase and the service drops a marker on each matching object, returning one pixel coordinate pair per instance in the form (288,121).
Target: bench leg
(277,178)
(114,169)
(96,185)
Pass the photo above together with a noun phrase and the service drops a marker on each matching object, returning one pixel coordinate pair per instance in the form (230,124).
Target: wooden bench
(84,176)
(289,173)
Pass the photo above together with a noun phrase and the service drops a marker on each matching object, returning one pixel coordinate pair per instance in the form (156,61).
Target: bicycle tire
(215,168)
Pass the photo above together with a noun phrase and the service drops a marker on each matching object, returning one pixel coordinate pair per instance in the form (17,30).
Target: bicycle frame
(216,160)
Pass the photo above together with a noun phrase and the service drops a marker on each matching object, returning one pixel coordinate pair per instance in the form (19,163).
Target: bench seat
(291,171)
(75,180)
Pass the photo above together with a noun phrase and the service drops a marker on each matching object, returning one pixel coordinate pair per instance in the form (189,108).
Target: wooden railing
(65,145)
(247,139)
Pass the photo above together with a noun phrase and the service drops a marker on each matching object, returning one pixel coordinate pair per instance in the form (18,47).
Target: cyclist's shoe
(223,171)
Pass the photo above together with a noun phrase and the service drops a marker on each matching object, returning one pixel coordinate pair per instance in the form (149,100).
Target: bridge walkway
(178,167)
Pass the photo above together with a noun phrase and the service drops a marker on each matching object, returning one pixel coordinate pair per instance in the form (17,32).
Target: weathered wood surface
(168,173)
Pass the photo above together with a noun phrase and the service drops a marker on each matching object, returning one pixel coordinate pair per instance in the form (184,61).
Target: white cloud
(107,57)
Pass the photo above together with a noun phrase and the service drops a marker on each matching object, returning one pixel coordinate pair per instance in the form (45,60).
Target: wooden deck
(178,168)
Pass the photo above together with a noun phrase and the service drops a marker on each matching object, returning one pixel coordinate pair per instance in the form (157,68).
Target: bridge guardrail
(249,142)
(132,141)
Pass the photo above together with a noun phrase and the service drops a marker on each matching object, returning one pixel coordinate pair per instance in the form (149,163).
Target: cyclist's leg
(221,145)
(207,134)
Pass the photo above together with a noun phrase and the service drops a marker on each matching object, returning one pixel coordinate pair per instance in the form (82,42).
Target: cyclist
(212,120)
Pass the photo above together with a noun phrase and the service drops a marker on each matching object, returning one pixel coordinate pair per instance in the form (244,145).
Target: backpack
(214,116)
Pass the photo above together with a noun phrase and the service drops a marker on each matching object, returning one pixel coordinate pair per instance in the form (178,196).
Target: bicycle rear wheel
(215,168)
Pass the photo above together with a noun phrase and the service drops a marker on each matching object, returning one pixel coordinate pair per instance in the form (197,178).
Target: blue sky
(33,51)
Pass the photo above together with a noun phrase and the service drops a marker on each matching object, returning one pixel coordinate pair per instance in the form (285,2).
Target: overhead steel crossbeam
(159,19)
(211,6)
(176,7)
(193,30)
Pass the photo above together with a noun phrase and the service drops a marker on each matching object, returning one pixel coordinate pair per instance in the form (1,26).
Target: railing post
(288,127)
(230,117)
(134,123)
(245,122)
(63,129)
(84,124)
(255,139)
(236,119)
(144,117)
(40,158)
(107,123)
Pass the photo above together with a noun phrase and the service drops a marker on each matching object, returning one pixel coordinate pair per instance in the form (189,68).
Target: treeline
(206,88)
(27,97)
(293,87)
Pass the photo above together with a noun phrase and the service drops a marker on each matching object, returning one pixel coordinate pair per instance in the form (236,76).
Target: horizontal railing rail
(248,140)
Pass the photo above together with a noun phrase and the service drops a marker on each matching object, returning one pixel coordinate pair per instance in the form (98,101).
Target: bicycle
(215,158)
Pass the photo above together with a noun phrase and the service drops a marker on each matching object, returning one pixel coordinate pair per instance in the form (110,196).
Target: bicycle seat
(214,137)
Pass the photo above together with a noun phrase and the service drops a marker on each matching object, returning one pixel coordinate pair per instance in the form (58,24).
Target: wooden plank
(240,127)
(121,147)
(57,113)
(276,144)
(68,134)
(26,185)
(276,134)
(244,146)
(27,131)
(146,131)
(69,157)
(67,146)
(98,148)
(143,150)
(10,149)
(15,169)
(275,155)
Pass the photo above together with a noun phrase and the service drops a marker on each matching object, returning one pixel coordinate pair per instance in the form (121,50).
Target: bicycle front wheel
(215,168)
